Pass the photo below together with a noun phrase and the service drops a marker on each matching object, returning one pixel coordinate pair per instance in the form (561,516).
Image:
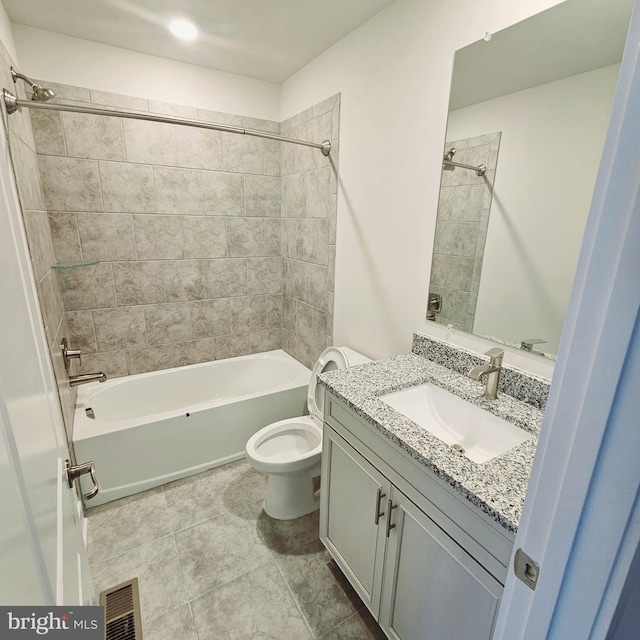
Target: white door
(41,550)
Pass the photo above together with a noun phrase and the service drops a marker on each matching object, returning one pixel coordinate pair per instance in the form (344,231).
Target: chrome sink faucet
(491,370)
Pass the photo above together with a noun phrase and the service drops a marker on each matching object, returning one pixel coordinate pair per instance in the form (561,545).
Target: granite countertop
(497,486)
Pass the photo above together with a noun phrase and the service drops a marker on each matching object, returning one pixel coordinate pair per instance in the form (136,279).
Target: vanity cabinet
(422,575)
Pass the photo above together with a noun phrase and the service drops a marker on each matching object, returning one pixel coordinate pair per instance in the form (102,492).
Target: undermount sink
(466,428)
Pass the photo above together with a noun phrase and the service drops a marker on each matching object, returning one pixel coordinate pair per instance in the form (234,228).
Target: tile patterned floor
(211,565)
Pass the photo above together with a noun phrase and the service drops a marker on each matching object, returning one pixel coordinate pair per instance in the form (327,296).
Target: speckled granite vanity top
(498,486)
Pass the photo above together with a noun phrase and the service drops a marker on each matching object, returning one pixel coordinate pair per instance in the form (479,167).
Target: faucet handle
(67,354)
(495,356)
(527,343)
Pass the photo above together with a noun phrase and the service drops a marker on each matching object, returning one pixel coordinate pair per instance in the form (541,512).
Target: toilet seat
(330,359)
(304,435)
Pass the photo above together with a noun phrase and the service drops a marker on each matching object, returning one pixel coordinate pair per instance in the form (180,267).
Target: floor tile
(219,550)
(360,626)
(246,485)
(286,536)
(256,606)
(175,625)
(324,596)
(124,524)
(198,498)
(157,568)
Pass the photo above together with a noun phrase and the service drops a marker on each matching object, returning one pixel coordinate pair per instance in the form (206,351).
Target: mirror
(532,103)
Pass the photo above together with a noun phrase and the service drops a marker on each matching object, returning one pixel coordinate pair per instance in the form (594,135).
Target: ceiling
(264,40)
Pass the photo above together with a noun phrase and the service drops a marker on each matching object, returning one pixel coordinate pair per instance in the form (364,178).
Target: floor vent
(122,611)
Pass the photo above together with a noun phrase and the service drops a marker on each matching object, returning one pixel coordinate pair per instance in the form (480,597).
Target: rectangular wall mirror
(530,107)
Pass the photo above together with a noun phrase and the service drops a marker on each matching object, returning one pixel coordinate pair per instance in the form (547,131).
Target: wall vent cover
(122,611)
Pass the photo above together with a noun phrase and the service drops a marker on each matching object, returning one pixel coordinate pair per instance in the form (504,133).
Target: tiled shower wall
(23,156)
(186,228)
(309,206)
(461,229)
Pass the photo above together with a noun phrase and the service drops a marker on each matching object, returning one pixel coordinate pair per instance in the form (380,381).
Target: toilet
(289,451)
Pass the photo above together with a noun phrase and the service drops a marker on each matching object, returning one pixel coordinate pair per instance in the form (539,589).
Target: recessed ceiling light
(183,29)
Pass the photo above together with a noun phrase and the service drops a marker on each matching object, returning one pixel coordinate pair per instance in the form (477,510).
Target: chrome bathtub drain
(458,448)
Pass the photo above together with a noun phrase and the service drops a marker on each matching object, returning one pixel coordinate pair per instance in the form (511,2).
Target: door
(433,589)
(41,535)
(352,516)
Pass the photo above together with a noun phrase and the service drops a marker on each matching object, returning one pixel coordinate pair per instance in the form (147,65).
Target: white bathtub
(156,427)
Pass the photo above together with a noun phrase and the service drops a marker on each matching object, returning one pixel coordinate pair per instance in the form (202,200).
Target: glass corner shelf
(74,265)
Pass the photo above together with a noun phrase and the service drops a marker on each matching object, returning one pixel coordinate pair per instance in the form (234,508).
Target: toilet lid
(330,359)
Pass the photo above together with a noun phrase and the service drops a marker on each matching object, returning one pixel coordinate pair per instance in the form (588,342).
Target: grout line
(293,595)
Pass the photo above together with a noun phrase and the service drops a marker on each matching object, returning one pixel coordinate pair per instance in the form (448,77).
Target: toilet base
(292,495)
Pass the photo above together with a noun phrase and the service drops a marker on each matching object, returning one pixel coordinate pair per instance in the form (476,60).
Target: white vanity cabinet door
(350,490)
(433,590)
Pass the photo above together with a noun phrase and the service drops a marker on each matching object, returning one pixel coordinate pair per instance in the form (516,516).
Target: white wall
(6,33)
(552,139)
(59,58)
(394,74)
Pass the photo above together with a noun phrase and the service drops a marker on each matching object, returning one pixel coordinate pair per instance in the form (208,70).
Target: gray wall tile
(39,240)
(96,137)
(139,282)
(119,328)
(262,196)
(274,310)
(227,277)
(158,237)
(47,132)
(64,236)
(199,148)
(194,351)
(90,287)
(246,237)
(248,313)
(186,280)
(167,323)
(82,334)
(179,191)
(149,359)
(205,237)
(106,236)
(242,154)
(222,193)
(264,275)
(273,236)
(112,363)
(210,317)
(127,188)
(150,142)
(70,184)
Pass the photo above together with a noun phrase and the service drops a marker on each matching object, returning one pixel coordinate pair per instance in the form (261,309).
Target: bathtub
(152,428)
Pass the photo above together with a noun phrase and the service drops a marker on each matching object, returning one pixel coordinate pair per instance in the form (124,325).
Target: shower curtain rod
(13,104)
(480,170)
(447,161)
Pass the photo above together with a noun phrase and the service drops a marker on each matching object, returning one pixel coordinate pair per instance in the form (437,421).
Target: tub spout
(83,378)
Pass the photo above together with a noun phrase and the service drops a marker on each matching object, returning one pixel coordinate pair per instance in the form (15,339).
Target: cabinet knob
(379,514)
(390,508)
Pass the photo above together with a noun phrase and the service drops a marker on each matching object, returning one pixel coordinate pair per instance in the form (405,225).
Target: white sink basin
(470,430)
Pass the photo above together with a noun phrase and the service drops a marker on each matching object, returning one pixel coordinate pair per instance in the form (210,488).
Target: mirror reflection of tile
(461,229)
